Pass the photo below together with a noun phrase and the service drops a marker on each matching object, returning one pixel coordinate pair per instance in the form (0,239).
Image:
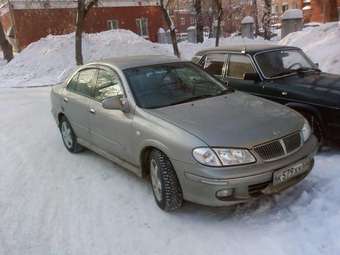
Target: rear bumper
(202,189)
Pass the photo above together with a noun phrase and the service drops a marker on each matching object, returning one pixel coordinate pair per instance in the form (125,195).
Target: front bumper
(200,184)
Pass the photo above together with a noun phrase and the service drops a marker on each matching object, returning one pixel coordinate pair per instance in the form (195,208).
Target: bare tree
(199,21)
(266,18)
(170,25)
(82,10)
(255,14)
(5,45)
(219,19)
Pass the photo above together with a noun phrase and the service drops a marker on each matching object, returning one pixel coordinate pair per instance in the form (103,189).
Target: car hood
(233,120)
(326,86)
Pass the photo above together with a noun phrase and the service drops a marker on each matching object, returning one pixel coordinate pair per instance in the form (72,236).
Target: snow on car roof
(135,61)
(246,48)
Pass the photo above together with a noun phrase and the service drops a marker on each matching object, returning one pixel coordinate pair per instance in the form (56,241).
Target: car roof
(245,48)
(136,61)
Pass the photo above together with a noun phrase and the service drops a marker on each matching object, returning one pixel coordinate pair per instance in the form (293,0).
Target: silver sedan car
(172,122)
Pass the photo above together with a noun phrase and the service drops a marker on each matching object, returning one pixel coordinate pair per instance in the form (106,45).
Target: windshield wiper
(307,69)
(283,73)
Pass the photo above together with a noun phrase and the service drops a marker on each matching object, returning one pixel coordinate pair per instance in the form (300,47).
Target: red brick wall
(324,11)
(31,25)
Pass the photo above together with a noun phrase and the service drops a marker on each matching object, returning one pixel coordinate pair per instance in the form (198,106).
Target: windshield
(282,62)
(169,84)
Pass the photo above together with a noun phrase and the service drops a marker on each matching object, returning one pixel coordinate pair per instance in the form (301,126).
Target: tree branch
(89,6)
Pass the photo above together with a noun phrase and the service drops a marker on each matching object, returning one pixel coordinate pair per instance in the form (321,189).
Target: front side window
(108,85)
(86,82)
(142,26)
(282,62)
(170,84)
(72,85)
(214,64)
(239,65)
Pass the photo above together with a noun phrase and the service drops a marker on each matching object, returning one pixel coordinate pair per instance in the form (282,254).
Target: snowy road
(53,202)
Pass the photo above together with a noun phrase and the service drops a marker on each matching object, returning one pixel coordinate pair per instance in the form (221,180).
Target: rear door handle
(93,111)
(65,99)
(284,93)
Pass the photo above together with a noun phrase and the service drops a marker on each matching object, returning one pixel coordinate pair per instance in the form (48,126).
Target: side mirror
(316,65)
(116,103)
(251,77)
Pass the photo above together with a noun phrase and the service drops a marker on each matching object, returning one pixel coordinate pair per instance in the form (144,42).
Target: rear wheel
(69,137)
(165,185)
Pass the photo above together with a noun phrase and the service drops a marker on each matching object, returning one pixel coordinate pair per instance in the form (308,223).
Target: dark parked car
(282,74)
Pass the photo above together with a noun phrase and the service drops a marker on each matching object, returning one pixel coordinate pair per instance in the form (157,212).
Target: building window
(112,24)
(182,21)
(142,26)
(284,7)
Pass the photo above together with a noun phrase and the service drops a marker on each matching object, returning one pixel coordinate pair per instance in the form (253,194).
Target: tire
(69,137)
(316,126)
(164,182)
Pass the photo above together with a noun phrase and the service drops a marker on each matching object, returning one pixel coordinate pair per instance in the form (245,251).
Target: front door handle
(93,111)
(65,99)
(284,93)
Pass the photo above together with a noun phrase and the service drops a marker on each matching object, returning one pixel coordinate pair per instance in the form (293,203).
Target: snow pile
(48,60)
(321,44)
(292,14)
(248,20)
(51,59)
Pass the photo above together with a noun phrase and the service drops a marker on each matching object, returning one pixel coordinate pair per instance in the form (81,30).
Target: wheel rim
(66,133)
(155,179)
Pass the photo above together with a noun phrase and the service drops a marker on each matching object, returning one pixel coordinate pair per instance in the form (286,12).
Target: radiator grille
(279,148)
(292,142)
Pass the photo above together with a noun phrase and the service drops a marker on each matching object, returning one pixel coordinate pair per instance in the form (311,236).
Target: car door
(76,101)
(111,130)
(215,64)
(238,65)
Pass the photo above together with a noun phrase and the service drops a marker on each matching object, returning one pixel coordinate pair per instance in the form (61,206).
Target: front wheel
(165,185)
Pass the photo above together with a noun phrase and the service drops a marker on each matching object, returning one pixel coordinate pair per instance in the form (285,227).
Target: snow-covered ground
(54,202)
(50,59)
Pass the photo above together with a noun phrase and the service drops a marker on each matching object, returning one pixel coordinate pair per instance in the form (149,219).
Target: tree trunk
(199,21)
(5,45)
(255,14)
(219,19)
(82,10)
(172,29)
(266,19)
(79,31)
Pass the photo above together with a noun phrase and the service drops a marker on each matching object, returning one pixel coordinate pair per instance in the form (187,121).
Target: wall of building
(33,24)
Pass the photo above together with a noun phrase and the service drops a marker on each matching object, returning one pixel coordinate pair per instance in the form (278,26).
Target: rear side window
(108,85)
(214,64)
(239,65)
(86,82)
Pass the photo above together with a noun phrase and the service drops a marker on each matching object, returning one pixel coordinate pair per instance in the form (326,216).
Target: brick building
(314,10)
(28,21)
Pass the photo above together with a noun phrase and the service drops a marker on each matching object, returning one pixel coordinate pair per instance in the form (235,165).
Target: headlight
(223,156)
(230,157)
(306,131)
(206,157)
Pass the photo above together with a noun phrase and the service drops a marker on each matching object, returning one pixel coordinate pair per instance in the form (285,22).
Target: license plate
(284,175)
